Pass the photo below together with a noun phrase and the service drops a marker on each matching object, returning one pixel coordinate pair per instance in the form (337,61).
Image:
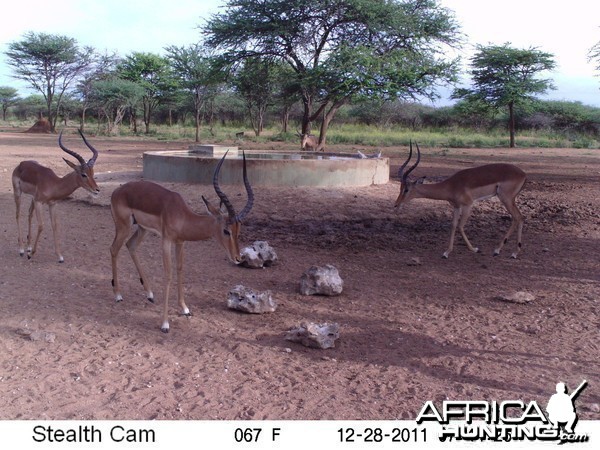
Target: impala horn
(233,216)
(250,201)
(70,152)
(404,175)
(401,169)
(91,162)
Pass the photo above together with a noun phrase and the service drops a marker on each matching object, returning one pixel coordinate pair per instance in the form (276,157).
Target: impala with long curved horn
(464,188)
(144,206)
(31,178)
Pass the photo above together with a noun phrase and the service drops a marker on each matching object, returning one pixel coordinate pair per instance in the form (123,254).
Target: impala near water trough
(143,206)
(47,188)
(308,141)
(464,188)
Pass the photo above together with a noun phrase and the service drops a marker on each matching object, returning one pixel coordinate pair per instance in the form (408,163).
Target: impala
(143,206)
(46,187)
(465,187)
(308,141)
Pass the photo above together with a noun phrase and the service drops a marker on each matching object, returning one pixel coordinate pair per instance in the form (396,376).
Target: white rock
(247,300)
(315,335)
(324,280)
(259,254)
(517,297)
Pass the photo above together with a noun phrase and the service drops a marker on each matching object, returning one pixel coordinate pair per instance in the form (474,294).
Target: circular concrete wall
(268,169)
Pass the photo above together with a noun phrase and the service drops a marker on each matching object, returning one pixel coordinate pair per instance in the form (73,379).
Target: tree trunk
(82,123)
(133,120)
(307,103)
(197,124)
(327,118)
(49,98)
(147,112)
(285,119)
(511,123)
(198,105)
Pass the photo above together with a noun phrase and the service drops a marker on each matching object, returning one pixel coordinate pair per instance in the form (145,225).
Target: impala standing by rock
(143,206)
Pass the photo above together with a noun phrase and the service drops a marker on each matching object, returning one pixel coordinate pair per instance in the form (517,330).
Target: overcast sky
(565,29)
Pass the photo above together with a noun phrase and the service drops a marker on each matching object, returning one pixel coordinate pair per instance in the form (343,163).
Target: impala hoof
(445,255)
(496,252)
(61,260)
(151,299)
(118,298)
(164,330)
(513,256)
(21,252)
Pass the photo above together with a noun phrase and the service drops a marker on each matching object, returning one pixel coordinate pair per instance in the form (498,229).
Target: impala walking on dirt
(143,206)
(31,178)
(464,188)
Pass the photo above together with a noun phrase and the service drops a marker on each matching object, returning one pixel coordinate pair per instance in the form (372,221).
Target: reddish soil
(414,327)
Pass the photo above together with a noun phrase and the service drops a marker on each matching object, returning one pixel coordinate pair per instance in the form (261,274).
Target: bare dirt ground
(409,333)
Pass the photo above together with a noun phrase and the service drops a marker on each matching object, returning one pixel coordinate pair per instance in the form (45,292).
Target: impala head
(406,186)
(85,170)
(229,223)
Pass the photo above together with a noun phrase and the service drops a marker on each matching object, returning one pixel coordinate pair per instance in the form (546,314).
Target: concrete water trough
(265,168)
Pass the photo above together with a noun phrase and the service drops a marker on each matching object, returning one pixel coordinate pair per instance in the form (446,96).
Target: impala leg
(517,222)
(29,222)
(179,258)
(18,216)
(121,233)
(167,281)
(455,219)
(466,212)
(519,242)
(55,233)
(38,215)
(132,245)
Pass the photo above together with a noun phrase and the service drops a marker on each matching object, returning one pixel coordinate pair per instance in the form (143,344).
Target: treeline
(564,117)
(229,109)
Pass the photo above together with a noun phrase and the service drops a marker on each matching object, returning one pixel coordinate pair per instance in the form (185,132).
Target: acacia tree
(102,68)
(8,97)
(194,69)
(341,49)
(50,64)
(255,82)
(504,77)
(113,97)
(153,73)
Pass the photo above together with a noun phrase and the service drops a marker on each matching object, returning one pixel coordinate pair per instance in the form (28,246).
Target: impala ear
(71,165)
(211,209)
